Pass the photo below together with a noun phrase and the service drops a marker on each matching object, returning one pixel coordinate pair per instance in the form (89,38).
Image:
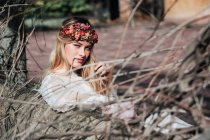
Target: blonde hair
(58,59)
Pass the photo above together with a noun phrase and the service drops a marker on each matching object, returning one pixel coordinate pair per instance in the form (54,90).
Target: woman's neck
(64,70)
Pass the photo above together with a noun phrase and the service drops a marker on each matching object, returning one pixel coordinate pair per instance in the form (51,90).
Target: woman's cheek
(88,54)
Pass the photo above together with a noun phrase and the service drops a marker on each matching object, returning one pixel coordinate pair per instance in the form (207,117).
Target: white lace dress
(62,92)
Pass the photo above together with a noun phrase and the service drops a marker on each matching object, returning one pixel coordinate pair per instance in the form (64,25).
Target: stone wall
(181,10)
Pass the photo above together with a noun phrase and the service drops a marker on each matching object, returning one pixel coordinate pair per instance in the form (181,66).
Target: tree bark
(12,42)
(158,9)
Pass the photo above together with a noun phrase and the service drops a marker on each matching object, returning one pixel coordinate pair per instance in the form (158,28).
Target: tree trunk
(114,9)
(158,9)
(12,42)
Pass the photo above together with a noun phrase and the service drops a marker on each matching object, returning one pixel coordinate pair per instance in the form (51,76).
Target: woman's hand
(122,110)
(103,70)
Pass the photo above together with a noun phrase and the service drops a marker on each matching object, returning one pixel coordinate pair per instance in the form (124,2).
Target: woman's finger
(103,69)
(101,66)
(98,66)
(105,72)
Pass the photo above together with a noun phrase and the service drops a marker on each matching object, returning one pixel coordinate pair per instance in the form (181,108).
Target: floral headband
(79,31)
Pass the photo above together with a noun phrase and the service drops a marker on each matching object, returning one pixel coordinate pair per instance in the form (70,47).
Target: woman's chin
(77,65)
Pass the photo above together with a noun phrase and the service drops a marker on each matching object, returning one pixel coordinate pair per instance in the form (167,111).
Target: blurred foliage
(57,8)
(79,6)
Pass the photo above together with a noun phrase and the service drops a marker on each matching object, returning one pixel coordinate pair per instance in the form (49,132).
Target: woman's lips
(79,60)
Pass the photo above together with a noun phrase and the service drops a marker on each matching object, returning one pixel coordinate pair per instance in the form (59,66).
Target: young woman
(74,77)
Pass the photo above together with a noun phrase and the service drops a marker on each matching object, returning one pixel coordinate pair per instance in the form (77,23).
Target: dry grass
(170,87)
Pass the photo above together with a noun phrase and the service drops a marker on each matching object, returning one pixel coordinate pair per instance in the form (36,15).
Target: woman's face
(77,52)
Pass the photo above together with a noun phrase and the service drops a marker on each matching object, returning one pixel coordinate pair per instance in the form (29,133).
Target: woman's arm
(121,110)
(62,97)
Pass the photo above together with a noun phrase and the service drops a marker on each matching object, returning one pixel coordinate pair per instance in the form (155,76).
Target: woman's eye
(88,48)
(77,45)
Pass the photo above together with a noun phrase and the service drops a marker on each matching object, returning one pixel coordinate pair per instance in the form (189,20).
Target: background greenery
(57,8)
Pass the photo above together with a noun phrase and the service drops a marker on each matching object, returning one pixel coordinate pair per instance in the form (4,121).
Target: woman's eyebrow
(89,46)
(77,43)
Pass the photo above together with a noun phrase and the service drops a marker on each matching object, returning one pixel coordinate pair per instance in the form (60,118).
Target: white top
(62,92)
(167,124)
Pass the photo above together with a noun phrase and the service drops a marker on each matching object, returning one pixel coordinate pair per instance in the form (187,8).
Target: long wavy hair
(58,60)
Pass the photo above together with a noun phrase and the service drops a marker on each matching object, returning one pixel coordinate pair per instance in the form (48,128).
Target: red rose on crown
(77,36)
(82,33)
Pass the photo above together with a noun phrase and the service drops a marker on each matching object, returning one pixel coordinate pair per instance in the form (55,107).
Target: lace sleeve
(62,97)
(52,90)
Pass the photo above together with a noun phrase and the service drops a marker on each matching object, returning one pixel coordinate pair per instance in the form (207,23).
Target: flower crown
(79,31)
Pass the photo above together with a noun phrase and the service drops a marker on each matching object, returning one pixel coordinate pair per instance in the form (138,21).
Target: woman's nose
(82,51)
